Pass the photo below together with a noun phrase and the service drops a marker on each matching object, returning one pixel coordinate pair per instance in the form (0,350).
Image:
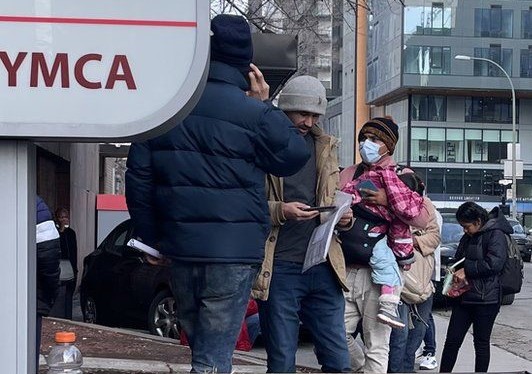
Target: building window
(489,109)
(454,145)
(462,181)
(490,182)
(419,144)
(526,62)
(526,24)
(427,60)
(436,145)
(427,20)
(472,178)
(474,149)
(502,56)
(429,108)
(453,180)
(459,145)
(494,22)
(434,181)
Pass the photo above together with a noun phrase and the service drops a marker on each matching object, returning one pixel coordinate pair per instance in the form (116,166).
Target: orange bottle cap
(65,337)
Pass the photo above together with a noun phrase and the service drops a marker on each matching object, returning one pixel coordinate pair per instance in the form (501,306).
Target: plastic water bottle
(64,357)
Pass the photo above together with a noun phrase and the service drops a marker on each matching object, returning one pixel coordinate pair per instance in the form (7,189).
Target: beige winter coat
(326,185)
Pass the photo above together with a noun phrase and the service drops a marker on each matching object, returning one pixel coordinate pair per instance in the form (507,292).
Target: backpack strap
(360,211)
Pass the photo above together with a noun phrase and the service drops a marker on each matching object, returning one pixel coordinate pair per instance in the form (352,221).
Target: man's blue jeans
(405,342)
(211,301)
(430,338)
(314,298)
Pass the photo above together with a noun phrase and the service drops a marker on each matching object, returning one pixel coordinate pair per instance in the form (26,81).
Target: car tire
(162,319)
(508,299)
(527,258)
(89,309)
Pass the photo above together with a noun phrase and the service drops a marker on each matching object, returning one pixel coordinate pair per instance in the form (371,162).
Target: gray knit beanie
(303,94)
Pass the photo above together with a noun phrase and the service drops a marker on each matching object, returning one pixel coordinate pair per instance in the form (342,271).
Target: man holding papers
(287,294)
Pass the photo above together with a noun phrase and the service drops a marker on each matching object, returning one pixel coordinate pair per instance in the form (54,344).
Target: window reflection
(429,108)
(526,62)
(489,109)
(462,181)
(433,19)
(427,60)
(454,146)
(453,181)
(502,56)
(436,145)
(494,22)
(459,145)
(471,179)
(526,24)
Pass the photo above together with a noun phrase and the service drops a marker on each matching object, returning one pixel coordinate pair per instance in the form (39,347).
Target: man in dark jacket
(48,253)
(197,193)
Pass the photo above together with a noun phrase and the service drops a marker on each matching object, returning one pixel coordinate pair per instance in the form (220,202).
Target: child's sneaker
(429,362)
(388,313)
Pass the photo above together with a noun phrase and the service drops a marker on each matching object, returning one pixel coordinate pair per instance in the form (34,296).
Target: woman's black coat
(485,254)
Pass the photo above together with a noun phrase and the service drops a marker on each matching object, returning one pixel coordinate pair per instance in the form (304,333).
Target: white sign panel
(508,169)
(99,69)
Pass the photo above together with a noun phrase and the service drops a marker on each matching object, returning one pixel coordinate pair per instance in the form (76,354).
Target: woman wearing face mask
(374,278)
(485,248)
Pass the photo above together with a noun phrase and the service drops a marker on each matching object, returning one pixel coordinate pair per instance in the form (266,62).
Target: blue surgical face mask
(369,151)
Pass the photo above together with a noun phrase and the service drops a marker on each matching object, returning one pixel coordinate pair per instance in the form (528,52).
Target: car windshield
(451,233)
(518,229)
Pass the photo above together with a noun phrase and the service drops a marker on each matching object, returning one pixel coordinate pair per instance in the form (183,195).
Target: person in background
(69,252)
(485,248)
(286,294)
(197,193)
(48,253)
(418,289)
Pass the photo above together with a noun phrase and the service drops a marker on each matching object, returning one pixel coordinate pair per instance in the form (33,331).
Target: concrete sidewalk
(501,360)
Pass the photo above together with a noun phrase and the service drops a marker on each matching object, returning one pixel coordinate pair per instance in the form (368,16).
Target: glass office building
(455,116)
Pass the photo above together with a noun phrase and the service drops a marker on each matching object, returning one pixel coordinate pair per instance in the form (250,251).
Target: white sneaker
(429,362)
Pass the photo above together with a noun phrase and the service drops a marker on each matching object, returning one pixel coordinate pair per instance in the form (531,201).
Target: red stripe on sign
(97,21)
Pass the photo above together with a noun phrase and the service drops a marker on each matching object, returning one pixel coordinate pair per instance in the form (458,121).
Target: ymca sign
(86,70)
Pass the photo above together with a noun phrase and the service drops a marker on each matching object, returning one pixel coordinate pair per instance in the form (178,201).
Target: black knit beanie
(231,41)
(383,128)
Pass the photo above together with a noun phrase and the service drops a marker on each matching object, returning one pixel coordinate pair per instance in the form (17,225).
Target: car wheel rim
(90,310)
(165,319)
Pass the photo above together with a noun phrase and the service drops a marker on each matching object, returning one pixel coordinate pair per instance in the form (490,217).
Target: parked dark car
(522,239)
(118,288)
(451,234)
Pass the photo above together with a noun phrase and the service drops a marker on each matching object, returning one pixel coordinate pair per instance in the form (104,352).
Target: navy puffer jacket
(198,191)
(485,254)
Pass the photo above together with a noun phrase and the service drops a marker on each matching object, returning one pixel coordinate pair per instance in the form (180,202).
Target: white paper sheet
(320,240)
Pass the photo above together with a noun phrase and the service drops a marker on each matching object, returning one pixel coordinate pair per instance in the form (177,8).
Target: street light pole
(514,134)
